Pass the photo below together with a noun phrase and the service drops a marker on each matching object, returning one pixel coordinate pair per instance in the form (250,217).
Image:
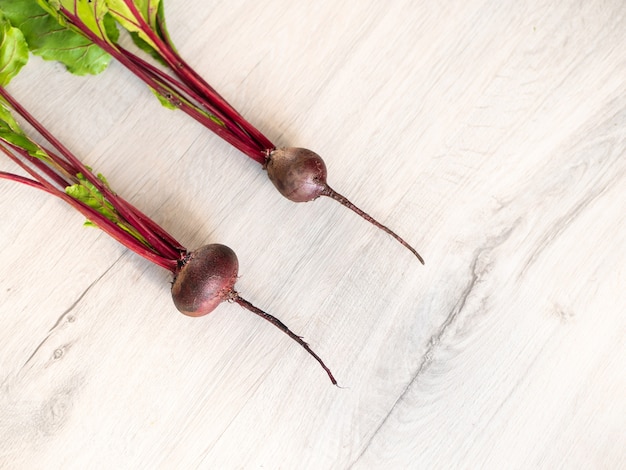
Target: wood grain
(491,135)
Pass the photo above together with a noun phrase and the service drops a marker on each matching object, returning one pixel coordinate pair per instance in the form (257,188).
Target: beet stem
(160,246)
(157,83)
(187,98)
(193,79)
(102,222)
(330,192)
(276,322)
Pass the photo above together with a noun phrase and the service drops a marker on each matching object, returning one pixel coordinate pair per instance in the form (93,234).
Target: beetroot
(206,278)
(300,175)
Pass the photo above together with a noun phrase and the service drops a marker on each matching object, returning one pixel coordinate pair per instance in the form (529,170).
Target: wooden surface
(490,134)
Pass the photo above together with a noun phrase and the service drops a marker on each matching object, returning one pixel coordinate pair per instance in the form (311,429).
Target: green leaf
(12,134)
(90,13)
(110,28)
(49,39)
(103,180)
(85,192)
(13,51)
(149,9)
(166,102)
(133,23)
(162,27)
(147,48)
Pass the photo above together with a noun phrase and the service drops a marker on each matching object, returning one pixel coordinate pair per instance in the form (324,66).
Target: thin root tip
(331,193)
(235,297)
(421,260)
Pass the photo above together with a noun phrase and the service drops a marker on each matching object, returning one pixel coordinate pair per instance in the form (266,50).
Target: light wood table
(490,134)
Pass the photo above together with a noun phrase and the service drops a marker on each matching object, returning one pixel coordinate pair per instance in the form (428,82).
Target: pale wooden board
(492,135)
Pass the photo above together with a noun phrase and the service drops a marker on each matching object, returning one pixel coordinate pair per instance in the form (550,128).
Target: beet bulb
(300,175)
(205,280)
(206,277)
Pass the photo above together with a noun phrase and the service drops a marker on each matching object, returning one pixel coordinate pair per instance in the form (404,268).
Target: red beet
(300,175)
(207,277)
(205,280)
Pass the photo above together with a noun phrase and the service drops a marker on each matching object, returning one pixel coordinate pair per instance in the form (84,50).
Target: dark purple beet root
(207,278)
(300,175)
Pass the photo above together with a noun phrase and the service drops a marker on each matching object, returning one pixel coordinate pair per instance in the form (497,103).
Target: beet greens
(203,278)
(175,82)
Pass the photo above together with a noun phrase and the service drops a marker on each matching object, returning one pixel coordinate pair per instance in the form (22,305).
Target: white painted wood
(491,134)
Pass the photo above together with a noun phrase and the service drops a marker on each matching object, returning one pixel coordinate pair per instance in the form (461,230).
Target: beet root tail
(276,322)
(331,193)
